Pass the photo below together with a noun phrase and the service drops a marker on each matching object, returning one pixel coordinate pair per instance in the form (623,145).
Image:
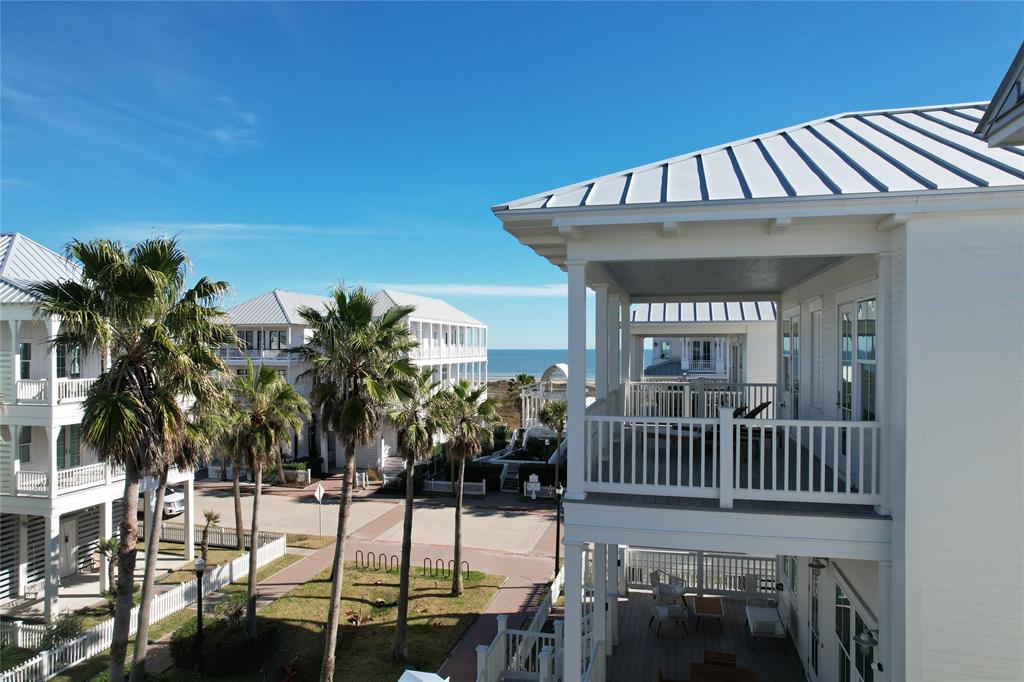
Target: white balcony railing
(32,390)
(280,354)
(33,483)
(697,398)
(81,477)
(71,390)
(726,458)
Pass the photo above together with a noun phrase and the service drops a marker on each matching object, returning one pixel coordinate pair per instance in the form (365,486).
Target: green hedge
(489,471)
(545,473)
(227,648)
(296,466)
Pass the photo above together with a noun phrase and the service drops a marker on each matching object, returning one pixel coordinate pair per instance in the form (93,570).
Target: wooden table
(708,607)
(704,672)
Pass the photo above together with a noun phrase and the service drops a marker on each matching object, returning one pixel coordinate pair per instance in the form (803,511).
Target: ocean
(504,363)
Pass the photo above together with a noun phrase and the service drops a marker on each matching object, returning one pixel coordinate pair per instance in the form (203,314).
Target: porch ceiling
(668,279)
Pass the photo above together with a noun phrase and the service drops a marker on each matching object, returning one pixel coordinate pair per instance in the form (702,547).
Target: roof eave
(1016,66)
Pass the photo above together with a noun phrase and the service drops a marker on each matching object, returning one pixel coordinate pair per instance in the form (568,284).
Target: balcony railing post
(726,455)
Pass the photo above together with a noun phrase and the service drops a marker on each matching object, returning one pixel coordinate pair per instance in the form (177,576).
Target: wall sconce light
(817,564)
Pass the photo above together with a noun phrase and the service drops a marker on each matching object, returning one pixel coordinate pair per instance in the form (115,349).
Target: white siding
(965,519)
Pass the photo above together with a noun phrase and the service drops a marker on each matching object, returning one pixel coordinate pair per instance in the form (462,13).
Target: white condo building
(56,498)
(451,342)
(879,506)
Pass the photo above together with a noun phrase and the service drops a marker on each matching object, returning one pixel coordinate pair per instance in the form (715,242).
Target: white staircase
(510,478)
(393,466)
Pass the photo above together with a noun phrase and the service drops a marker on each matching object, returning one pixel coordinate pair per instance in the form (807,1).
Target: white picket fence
(97,639)
(468,487)
(21,635)
(218,536)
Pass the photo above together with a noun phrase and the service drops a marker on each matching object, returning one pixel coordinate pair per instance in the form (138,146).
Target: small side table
(708,607)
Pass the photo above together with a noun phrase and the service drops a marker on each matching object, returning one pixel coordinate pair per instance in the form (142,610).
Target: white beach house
(451,342)
(57,499)
(881,506)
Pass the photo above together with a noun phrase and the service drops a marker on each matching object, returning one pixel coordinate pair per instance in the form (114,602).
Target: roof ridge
(280,304)
(10,250)
(723,146)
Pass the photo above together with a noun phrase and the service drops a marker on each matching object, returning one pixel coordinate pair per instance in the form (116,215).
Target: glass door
(858,360)
(814,624)
(791,364)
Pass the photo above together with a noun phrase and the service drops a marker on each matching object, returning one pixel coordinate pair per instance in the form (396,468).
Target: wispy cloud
(484,290)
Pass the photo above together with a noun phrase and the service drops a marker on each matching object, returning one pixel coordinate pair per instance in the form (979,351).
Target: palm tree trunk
(205,544)
(334,612)
(457,570)
(254,543)
(400,651)
(281,480)
(223,469)
(237,487)
(152,547)
(110,572)
(125,572)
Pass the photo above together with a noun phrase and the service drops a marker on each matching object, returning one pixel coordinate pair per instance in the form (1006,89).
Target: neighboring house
(730,341)
(57,498)
(1003,122)
(887,490)
(450,341)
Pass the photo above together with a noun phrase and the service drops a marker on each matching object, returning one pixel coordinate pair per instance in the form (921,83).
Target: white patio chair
(764,621)
(668,613)
(665,584)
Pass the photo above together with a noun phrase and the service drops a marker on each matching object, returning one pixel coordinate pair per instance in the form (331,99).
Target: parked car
(174,502)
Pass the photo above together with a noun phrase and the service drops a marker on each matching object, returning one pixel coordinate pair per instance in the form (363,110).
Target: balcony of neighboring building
(262,344)
(38,373)
(442,340)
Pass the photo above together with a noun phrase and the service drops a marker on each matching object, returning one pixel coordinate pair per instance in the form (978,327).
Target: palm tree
(265,411)
(108,548)
(516,384)
(553,416)
(357,365)
(415,420)
(212,518)
(132,305)
(468,418)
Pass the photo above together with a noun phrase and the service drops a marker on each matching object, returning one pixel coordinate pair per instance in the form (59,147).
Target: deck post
(600,589)
(106,532)
(51,597)
(726,456)
(612,334)
(625,340)
(481,662)
(190,517)
(601,349)
(502,639)
(577,388)
(546,655)
(573,634)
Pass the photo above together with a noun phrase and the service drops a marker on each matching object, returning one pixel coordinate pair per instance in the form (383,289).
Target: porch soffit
(706,277)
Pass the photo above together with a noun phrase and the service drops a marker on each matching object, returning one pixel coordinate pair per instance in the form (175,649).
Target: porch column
(106,531)
(149,506)
(636,360)
(884,652)
(52,433)
(611,591)
(577,388)
(190,518)
(601,592)
(882,382)
(51,598)
(601,340)
(22,554)
(612,375)
(625,339)
(52,327)
(15,326)
(572,657)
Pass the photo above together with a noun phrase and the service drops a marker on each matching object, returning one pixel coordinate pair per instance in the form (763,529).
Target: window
(867,316)
(664,349)
(25,444)
(789,572)
(858,360)
(854,661)
(69,362)
(244,372)
(277,339)
(817,365)
(68,446)
(26,361)
(248,340)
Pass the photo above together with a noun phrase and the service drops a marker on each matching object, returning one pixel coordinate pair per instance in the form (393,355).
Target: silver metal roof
(24,262)
(871,152)
(693,312)
(279,307)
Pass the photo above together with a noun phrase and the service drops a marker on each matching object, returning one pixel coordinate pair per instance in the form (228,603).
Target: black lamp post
(200,570)
(558,523)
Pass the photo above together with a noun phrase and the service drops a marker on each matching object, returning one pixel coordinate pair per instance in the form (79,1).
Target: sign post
(319,495)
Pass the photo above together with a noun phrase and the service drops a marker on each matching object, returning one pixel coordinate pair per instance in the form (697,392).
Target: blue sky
(293,146)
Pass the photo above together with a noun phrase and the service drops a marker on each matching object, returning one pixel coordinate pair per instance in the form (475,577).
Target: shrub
(227,648)
(545,473)
(396,484)
(296,466)
(312,463)
(62,630)
(537,450)
(489,471)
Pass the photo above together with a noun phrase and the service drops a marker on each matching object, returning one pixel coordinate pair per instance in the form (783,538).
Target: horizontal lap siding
(9,530)
(88,537)
(965,518)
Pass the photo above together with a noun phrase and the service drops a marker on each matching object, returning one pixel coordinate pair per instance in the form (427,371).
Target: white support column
(51,598)
(106,531)
(884,651)
(636,360)
(601,591)
(625,339)
(600,340)
(15,326)
(52,327)
(611,595)
(612,334)
(882,376)
(577,389)
(22,554)
(572,662)
(149,506)
(52,434)
(188,489)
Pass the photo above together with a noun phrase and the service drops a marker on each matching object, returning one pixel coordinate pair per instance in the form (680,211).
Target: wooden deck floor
(640,654)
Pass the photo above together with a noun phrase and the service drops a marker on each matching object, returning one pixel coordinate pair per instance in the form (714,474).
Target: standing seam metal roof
(24,262)
(924,148)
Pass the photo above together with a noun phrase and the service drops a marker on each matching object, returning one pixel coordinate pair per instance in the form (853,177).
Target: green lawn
(215,557)
(12,656)
(436,623)
(309,541)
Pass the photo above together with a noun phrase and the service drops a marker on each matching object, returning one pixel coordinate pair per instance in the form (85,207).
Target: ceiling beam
(569,233)
(892,221)
(779,225)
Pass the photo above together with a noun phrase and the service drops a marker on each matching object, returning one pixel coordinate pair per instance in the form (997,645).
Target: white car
(174,502)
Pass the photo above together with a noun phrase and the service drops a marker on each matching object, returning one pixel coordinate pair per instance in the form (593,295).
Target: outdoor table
(705,672)
(708,607)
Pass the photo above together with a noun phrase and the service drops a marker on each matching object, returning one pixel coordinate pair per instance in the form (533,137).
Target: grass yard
(305,541)
(436,623)
(215,557)
(12,656)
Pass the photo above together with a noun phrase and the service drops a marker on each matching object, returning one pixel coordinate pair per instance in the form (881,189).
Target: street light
(558,523)
(200,570)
